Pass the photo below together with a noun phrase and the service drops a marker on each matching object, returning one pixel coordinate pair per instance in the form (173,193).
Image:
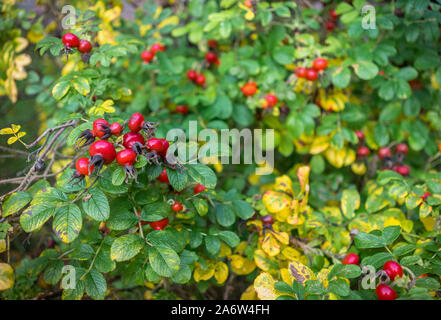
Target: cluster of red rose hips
(211,56)
(330,24)
(148,55)
(249,89)
(311,74)
(103,152)
(389,162)
(196,77)
(391,268)
(71,41)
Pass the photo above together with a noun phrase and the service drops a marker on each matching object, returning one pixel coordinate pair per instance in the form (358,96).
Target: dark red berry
(363,151)
(402,148)
(104,149)
(126,157)
(200,79)
(198,188)
(351,258)
(301,72)
(384,292)
(177,207)
(311,74)
(116,129)
(425,195)
(157,47)
(267,220)
(135,122)
(70,40)
(211,57)
(82,166)
(163,177)
(384,152)
(393,269)
(329,26)
(130,138)
(101,128)
(147,56)
(192,75)
(403,170)
(320,64)
(271,99)
(159,225)
(212,43)
(249,89)
(333,14)
(359,134)
(183,109)
(84,46)
(155,144)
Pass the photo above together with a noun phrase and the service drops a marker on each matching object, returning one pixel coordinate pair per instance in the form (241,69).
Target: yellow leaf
(303,176)
(6,276)
(11,140)
(428,223)
(264,286)
(173,20)
(249,294)
(225,250)
(15,128)
(2,245)
(276,201)
(322,276)
(291,253)
(300,272)
(319,144)
(6,131)
(21,134)
(286,276)
(264,262)
(200,274)
(270,245)
(220,272)
(283,184)
(249,15)
(282,237)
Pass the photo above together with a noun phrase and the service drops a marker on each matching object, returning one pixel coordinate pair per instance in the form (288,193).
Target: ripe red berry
(70,40)
(183,109)
(267,220)
(155,144)
(157,47)
(403,170)
(211,57)
(301,72)
(311,74)
(393,269)
(82,166)
(212,43)
(177,207)
(163,177)
(320,64)
(401,148)
(271,99)
(200,79)
(248,4)
(333,14)
(84,46)
(359,134)
(100,128)
(363,151)
(104,149)
(425,195)
(351,258)
(159,225)
(192,75)
(135,122)
(165,146)
(329,26)
(384,152)
(130,138)
(126,157)
(116,129)
(249,89)
(198,188)
(147,56)
(384,292)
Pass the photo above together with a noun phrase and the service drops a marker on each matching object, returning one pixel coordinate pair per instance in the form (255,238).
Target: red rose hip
(351,258)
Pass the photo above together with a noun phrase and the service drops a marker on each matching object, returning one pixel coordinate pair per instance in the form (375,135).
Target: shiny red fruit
(200,79)
(211,57)
(82,166)
(311,74)
(271,99)
(116,129)
(359,134)
(157,47)
(135,122)
(70,40)
(249,89)
(163,177)
(301,72)
(403,170)
(384,292)
(199,188)
(320,64)
(155,144)
(192,75)
(147,55)
(333,14)
(183,109)
(177,207)
(212,43)
(84,46)
(329,25)
(393,269)
(165,146)
(126,157)
(267,220)
(99,126)
(363,151)
(130,138)
(384,152)
(104,149)
(425,195)
(351,258)
(402,148)
(159,225)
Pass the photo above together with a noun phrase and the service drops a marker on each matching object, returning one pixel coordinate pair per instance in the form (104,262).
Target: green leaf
(212,244)
(68,222)
(365,70)
(225,215)
(341,77)
(35,216)
(60,89)
(201,206)
(350,201)
(15,203)
(377,260)
(366,240)
(81,85)
(339,287)
(391,233)
(155,211)
(164,260)
(96,285)
(177,179)
(53,272)
(126,247)
(202,174)
(283,55)
(345,271)
(229,238)
(283,12)
(386,176)
(283,287)
(118,176)
(243,209)
(97,206)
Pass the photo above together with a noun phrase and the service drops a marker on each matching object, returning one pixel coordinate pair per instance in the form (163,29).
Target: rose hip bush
(350,210)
